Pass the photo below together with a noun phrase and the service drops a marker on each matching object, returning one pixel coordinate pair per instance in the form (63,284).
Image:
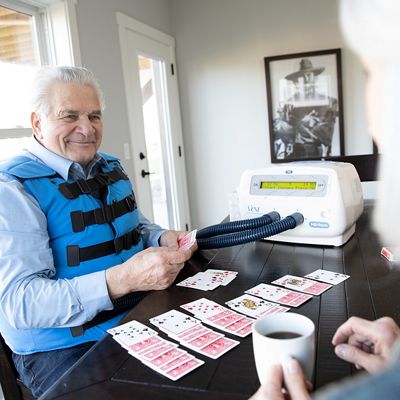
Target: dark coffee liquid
(283,335)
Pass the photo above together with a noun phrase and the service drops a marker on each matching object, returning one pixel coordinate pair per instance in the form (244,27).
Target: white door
(155,128)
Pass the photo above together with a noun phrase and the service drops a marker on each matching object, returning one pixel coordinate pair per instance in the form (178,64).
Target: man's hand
(171,239)
(283,383)
(152,269)
(367,344)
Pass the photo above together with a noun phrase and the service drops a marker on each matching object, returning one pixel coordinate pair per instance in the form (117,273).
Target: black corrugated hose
(256,229)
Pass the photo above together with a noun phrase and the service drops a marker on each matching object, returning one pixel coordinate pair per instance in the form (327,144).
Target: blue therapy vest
(85,236)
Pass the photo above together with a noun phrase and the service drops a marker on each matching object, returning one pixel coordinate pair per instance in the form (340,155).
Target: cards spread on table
(186,242)
(209,279)
(327,276)
(254,306)
(302,284)
(220,317)
(157,353)
(196,336)
(279,295)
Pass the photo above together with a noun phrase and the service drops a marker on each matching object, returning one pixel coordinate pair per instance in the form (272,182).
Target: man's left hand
(171,239)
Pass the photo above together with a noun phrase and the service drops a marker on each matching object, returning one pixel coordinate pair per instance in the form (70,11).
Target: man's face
(73,129)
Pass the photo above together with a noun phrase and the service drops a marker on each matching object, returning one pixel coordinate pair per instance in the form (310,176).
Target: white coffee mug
(269,350)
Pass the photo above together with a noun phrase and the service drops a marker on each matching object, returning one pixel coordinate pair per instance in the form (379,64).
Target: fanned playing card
(302,284)
(174,322)
(279,294)
(131,332)
(331,277)
(253,306)
(186,242)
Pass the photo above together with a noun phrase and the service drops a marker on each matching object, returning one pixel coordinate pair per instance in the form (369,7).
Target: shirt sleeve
(30,298)
(150,232)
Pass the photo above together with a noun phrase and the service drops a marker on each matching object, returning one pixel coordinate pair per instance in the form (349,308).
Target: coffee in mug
(281,335)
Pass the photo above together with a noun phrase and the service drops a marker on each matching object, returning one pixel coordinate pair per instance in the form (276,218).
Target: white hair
(47,76)
(372,29)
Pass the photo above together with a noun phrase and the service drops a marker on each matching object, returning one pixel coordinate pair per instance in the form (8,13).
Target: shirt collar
(64,167)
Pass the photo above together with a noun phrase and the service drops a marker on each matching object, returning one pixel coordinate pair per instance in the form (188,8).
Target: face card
(131,332)
(279,295)
(186,242)
(323,275)
(302,284)
(252,306)
(219,347)
(174,322)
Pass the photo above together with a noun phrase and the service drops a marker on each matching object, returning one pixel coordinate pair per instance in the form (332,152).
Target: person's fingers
(352,326)
(271,388)
(358,357)
(295,381)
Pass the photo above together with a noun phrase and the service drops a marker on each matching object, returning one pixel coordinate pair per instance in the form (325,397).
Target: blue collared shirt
(28,297)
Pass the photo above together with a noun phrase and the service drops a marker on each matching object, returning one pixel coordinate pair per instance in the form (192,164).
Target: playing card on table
(183,369)
(279,295)
(222,276)
(219,347)
(252,306)
(327,276)
(203,307)
(131,333)
(186,242)
(200,281)
(203,340)
(302,284)
(174,322)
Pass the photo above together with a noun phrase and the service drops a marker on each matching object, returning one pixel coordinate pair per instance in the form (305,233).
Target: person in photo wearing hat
(306,121)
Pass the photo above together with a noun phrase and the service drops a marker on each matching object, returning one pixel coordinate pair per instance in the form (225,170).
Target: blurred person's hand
(367,344)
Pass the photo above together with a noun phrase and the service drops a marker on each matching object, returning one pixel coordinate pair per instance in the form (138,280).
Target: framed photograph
(305,106)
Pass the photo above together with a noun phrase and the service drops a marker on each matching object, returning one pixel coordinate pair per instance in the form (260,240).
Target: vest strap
(121,304)
(102,215)
(76,254)
(82,186)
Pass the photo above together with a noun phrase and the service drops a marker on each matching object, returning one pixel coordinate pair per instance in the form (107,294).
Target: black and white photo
(305,105)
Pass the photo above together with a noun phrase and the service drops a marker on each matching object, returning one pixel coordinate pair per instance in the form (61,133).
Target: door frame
(127,25)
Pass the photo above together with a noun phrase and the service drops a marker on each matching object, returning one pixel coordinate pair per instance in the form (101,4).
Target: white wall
(221,45)
(100,51)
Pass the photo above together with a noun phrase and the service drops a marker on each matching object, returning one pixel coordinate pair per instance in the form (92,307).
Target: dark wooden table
(108,372)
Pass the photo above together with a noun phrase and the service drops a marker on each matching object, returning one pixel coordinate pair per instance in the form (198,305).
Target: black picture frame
(305,105)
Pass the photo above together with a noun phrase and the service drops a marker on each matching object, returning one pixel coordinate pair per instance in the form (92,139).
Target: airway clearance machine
(321,200)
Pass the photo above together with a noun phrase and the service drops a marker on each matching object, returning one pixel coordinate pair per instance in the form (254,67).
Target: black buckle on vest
(73,258)
(103,179)
(104,214)
(130,202)
(83,186)
(78,221)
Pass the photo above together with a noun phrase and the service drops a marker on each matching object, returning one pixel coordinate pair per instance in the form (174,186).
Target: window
(30,36)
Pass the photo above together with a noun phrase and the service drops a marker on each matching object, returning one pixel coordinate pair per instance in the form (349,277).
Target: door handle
(144,173)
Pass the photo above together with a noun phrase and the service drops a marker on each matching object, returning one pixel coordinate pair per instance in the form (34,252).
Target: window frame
(54,22)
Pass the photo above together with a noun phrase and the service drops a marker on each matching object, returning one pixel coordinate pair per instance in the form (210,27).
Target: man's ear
(36,126)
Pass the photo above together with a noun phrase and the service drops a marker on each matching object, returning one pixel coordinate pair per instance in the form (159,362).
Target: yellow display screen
(288,185)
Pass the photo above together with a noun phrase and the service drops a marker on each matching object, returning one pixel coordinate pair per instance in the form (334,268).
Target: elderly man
(72,238)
